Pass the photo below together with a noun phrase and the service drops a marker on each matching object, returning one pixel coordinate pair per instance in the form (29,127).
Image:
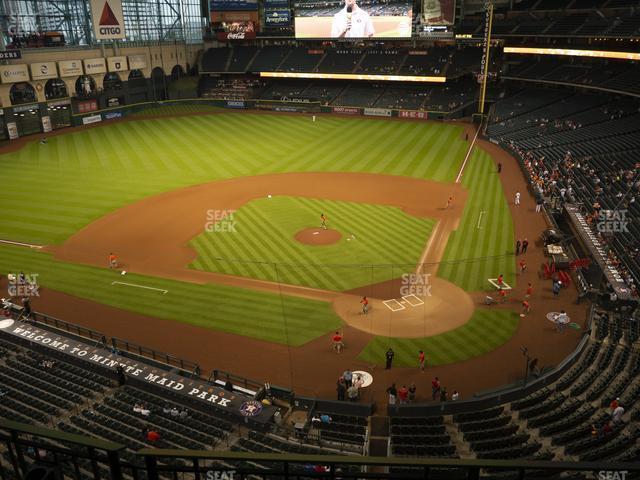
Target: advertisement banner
(112,115)
(10,55)
(277,18)
(58,103)
(413,114)
(70,68)
(14,73)
(235,104)
(87,106)
(377,112)
(92,119)
(108,19)
(12,130)
(46,124)
(224,36)
(117,64)
(137,62)
(231,5)
(346,110)
(95,65)
(43,70)
(114,102)
(438,12)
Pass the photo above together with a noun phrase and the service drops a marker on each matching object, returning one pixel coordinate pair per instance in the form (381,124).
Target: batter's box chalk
(393,305)
(413,300)
(494,282)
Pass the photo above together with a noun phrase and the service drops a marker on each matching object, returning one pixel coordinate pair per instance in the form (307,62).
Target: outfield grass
(234,310)
(484,332)
(263,234)
(61,186)
(79,177)
(482,246)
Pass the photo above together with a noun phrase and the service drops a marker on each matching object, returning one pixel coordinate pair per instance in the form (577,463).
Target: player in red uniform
(365,305)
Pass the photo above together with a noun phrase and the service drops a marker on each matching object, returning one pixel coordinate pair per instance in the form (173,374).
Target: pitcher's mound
(318,236)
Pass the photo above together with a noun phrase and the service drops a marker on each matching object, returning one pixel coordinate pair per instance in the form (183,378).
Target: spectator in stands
(353,393)
(412,392)
(184,414)
(606,429)
(175,412)
(455,395)
(594,431)
(166,410)
(341,388)
(228,386)
(352,22)
(120,375)
(616,416)
(403,394)
(443,394)
(348,377)
(435,388)
(614,404)
(48,364)
(392,391)
(152,436)
(26,308)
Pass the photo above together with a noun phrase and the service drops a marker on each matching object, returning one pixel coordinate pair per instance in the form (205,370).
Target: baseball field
(215,218)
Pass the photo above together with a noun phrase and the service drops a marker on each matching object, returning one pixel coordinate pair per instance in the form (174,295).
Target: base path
(151,236)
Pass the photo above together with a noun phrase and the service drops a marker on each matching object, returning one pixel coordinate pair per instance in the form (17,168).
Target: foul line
(21,244)
(468,154)
(164,292)
(480,218)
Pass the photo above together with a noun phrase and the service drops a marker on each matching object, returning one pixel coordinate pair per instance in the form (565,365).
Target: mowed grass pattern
(77,178)
(485,331)
(482,246)
(274,318)
(263,234)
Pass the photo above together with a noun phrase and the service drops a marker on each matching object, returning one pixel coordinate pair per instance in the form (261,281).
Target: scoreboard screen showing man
(353,18)
(438,12)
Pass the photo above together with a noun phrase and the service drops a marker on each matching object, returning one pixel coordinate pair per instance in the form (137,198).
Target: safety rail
(206,464)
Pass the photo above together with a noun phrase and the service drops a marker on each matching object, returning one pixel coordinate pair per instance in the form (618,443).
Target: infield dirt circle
(318,236)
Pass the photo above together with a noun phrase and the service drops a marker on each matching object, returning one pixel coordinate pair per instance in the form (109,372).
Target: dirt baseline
(147,243)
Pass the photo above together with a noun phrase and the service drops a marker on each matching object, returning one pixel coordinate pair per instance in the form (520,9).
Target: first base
(123,272)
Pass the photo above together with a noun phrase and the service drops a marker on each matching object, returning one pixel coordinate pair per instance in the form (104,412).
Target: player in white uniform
(352,22)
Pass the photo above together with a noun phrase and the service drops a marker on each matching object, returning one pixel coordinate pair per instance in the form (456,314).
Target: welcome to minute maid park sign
(196,390)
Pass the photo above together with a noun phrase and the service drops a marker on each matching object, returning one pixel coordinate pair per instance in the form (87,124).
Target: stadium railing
(29,447)
(491,398)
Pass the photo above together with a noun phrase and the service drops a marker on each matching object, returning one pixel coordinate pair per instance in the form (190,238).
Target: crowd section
(614,75)
(578,18)
(437,61)
(581,148)
(589,413)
